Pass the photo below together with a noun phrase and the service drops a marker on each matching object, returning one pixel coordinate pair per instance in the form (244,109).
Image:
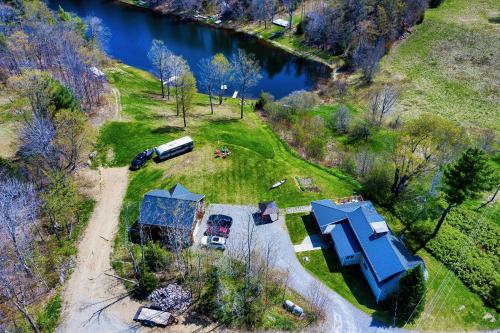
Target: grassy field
(459,310)
(449,64)
(259,158)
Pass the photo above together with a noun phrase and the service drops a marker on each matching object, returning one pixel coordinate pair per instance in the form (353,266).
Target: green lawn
(299,226)
(259,157)
(460,309)
(348,282)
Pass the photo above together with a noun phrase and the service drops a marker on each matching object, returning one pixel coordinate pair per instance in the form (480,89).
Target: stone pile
(171,298)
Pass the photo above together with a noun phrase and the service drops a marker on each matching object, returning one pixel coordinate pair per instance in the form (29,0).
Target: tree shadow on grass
(167,129)
(358,286)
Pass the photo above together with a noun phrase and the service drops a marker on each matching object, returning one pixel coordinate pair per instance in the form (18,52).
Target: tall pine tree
(465,179)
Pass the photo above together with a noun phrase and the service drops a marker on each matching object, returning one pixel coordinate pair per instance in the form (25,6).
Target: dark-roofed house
(361,237)
(174,210)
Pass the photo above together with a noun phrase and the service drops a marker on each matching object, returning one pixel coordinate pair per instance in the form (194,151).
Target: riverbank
(278,37)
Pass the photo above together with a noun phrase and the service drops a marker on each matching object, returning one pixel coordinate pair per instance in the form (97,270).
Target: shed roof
(175,207)
(268,208)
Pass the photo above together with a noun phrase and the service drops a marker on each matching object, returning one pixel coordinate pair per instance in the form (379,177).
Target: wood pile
(171,298)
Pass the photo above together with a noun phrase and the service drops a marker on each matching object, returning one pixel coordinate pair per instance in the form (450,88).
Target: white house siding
(370,278)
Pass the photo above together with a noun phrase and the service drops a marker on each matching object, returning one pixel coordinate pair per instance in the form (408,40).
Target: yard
(460,309)
(258,157)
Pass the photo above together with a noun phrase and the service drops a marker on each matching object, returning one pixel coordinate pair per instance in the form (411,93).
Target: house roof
(344,239)
(175,207)
(385,254)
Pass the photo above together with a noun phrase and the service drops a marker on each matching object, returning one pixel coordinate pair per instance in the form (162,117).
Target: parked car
(214,242)
(220,220)
(217,230)
(141,159)
(293,308)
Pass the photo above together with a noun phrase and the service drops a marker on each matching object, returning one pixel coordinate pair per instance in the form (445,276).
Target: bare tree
(97,33)
(364,162)
(317,298)
(176,67)
(289,7)
(341,120)
(159,57)
(246,72)
(382,104)
(17,287)
(208,79)
(18,212)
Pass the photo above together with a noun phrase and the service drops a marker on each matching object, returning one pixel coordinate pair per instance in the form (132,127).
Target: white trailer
(174,148)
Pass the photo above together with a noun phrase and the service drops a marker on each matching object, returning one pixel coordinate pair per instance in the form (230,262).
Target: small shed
(281,23)
(269,211)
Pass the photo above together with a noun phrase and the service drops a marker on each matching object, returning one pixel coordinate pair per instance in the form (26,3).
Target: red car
(217,230)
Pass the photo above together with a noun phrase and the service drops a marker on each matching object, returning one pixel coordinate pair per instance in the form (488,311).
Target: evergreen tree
(411,296)
(466,179)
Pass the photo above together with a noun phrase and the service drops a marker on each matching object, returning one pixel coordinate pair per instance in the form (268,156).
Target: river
(133,29)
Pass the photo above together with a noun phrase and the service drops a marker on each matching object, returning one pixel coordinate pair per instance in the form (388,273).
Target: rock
(93,154)
(461,308)
(171,298)
(489,317)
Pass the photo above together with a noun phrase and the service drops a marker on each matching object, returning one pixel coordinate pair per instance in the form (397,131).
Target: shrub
(360,131)
(264,100)
(300,28)
(412,292)
(156,257)
(299,101)
(341,120)
(315,148)
(147,283)
(376,185)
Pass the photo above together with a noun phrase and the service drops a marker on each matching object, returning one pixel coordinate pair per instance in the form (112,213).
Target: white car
(215,242)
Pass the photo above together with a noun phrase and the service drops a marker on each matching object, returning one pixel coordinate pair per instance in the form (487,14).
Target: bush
(315,148)
(147,283)
(264,100)
(376,185)
(156,257)
(299,101)
(360,131)
(411,299)
(300,28)
(341,120)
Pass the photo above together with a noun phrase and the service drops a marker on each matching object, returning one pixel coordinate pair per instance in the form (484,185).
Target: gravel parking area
(341,315)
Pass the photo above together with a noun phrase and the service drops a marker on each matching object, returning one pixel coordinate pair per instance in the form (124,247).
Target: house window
(349,257)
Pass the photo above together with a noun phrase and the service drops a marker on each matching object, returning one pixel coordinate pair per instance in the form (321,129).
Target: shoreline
(238,29)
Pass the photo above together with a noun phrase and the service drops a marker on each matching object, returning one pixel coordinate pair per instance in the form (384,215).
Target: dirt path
(89,289)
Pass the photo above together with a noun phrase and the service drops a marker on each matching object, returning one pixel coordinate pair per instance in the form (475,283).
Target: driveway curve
(88,288)
(341,315)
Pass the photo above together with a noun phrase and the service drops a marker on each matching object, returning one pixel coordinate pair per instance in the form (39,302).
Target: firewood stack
(171,298)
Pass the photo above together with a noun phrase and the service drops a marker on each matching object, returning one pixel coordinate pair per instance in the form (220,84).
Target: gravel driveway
(342,316)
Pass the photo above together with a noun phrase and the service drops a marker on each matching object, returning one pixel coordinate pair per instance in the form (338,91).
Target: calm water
(134,29)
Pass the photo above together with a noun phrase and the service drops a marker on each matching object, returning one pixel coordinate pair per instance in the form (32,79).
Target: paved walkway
(311,242)
(298,209)
(341,315)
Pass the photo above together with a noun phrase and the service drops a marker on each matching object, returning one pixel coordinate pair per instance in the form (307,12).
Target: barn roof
(175,207)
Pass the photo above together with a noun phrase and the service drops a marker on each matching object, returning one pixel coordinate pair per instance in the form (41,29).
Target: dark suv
(141,159)
(220,220)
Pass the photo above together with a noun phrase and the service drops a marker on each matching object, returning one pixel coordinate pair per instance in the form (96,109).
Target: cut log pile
(171,298)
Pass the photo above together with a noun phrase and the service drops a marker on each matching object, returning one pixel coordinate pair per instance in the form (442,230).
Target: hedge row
(473,266)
